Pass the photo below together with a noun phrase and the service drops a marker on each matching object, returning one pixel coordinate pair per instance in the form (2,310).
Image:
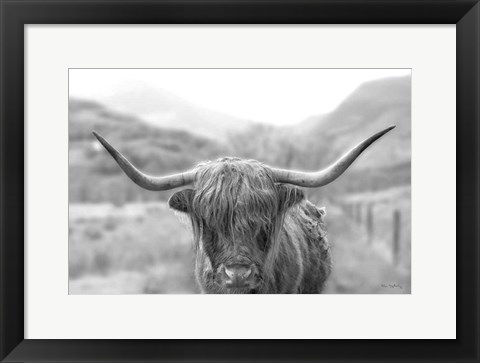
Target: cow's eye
(262,239)
(207,233)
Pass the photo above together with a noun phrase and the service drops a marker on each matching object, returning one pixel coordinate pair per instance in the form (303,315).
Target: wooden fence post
(348,207)
(358,213)
(370,222)
(396,237)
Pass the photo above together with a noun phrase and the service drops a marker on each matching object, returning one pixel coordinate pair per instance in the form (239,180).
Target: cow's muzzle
(238,276)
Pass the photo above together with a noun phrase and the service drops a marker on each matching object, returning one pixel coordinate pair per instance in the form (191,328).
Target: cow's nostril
(230,273)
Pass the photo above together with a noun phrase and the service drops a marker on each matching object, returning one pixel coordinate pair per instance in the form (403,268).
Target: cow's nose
(238,271)
(238,275)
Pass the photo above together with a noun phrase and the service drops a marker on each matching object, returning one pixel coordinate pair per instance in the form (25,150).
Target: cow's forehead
(233,165)
(235,194)
(233,175)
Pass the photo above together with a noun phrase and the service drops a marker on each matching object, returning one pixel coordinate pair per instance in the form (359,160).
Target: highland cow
(254,231)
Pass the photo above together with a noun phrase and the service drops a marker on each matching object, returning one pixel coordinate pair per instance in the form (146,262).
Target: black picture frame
(16,13)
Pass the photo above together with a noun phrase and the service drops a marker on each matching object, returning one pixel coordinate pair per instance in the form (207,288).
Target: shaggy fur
(241,216)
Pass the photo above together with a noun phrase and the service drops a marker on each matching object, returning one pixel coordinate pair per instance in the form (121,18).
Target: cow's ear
(289,196)
(182,200)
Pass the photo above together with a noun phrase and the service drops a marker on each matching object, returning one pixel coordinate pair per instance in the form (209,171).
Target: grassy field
(362,266)
(137,249)
(145,248)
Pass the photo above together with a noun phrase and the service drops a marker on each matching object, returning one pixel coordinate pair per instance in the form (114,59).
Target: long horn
(144,180)
(329,174)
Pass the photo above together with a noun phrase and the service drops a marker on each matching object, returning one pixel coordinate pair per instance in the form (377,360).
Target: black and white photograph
(239,181)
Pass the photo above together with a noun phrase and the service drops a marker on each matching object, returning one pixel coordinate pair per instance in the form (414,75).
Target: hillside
(94,176)
(309,145)
(370,108)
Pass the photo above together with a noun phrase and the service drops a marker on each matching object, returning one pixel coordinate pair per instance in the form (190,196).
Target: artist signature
(391,286)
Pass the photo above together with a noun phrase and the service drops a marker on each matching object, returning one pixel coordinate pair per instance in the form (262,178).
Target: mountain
(321,139)
(372,107)
(164,109)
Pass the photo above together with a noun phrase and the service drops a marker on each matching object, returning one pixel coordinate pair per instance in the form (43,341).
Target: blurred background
(125,240)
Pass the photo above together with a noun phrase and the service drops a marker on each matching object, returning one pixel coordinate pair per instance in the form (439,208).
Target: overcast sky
(277,96)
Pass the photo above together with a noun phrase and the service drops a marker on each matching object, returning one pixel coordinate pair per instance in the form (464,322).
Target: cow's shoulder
(311,219)
(317,260)
(313,211)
